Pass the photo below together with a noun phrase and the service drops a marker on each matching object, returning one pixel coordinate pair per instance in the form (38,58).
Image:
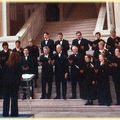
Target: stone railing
(30,29)
(33,26)
(100,22)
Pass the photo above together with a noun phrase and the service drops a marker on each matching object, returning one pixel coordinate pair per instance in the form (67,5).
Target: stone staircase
(69,28)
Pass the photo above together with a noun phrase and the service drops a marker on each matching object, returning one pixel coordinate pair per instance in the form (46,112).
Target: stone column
(1,32)
(117,17)
(110,15)
(8,19)
(4,18)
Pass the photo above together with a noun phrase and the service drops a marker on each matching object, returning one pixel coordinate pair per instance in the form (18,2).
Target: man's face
(75,50)
(17,45)
(101,45)
(97,36)
(30,43)
(113,34)
(78,35)
(58,49)
(45,51)
(5,47)
(26,52)
(46,36)
(60,37)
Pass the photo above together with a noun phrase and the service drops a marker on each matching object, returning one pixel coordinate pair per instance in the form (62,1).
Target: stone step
(63,108)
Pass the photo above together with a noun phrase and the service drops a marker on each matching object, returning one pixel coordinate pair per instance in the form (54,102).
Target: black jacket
(65,46)
(47,68)
(112,43)
(33,51)
(50,44)
(29,65)
(84,43)
(61,65)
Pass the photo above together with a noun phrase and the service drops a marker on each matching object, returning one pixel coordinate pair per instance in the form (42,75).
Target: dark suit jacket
(84,42)
(20,51)
(47,69)
(65,46)
(76,65)
(111,43)
(29,64)
(61,65)
(33,51)
(50,44)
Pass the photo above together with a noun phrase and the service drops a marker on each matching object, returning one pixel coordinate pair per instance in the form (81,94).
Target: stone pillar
(4,18)
(110,15)
(117,17)
(61,12)
(1,32)
(8,19)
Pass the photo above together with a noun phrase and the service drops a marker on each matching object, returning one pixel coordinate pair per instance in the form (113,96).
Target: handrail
(30,29)
(100,22)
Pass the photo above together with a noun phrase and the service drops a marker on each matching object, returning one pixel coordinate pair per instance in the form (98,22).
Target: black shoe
(64,98)
(87,103)
(42,97)
(24,97)
(57,97)
(108,104)
(72,97)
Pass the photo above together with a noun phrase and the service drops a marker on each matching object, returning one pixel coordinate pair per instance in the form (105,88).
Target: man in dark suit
(47,42)
(4,54)
(18,48)
(96,41)
(64,43)
(76,73)
(81,43)
(61,72)
(34,52)
(113,41)
(28,66)
(46,60)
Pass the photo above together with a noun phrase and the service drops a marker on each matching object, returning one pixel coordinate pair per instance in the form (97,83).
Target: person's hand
(66,75)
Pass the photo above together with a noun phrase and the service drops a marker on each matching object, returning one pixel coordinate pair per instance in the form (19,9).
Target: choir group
(90,72)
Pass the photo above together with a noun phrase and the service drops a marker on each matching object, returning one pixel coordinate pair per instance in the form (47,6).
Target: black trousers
(45,82)
(13,97)
(61,83)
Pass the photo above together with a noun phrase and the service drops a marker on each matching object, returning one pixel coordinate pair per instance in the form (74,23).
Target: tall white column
(108,16)
(117,17)
(4,18)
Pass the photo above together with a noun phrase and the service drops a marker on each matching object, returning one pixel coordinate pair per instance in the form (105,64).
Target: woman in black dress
(104,95)
(11,80)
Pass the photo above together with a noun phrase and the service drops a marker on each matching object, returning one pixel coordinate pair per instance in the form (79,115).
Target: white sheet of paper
(27,76)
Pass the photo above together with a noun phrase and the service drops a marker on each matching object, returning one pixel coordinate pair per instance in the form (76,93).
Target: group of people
(90,72)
